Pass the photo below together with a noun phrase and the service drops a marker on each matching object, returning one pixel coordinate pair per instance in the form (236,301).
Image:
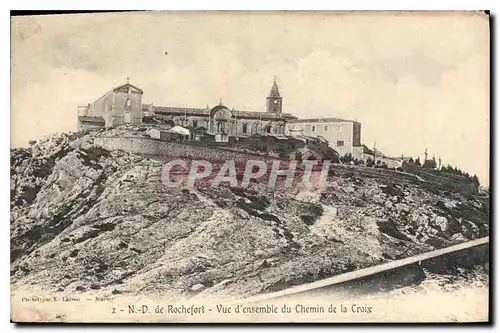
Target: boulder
(458,237)
(401,207)
(441,222)
(197,287)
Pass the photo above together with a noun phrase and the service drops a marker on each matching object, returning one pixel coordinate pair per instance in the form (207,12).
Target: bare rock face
(88,219)
(441,222)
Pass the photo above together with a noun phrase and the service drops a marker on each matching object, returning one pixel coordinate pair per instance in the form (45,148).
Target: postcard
(250,166)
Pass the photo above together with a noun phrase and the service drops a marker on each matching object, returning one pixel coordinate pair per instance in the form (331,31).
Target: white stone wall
(340,135)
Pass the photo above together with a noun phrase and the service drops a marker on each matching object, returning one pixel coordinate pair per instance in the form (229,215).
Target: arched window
(128,102)
(195,123)
(244,128)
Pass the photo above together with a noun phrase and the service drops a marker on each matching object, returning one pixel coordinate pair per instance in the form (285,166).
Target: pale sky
(413,80)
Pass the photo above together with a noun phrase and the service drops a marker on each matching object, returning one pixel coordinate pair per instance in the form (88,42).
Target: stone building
(343,135)
(123,105)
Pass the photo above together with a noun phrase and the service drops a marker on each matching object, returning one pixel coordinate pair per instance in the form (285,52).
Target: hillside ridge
(85,218)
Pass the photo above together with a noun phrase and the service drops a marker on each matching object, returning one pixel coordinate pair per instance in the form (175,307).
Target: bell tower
(274,100)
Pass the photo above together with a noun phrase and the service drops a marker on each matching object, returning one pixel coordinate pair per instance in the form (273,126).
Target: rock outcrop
(88,219)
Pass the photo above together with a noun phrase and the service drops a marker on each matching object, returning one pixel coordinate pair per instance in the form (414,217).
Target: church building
(123,105)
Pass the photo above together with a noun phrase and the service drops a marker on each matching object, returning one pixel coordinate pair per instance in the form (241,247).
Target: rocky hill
(87,219)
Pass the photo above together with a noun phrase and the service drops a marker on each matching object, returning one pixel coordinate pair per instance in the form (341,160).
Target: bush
(347,158)
(335,159)
(284,154)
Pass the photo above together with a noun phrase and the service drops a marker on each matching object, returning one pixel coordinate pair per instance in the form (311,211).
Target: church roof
(275,92)
(126,86)
(123,88)
(173,110)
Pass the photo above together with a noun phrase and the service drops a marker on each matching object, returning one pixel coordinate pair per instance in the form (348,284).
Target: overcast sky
(412,80)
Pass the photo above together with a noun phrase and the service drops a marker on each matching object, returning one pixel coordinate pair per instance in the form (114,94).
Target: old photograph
(250,166)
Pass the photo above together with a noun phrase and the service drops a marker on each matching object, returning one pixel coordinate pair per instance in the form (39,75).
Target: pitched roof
(180,110)
(127,85)
(275,92)
(173,110)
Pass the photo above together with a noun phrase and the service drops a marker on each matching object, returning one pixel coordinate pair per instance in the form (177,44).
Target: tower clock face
(275,101)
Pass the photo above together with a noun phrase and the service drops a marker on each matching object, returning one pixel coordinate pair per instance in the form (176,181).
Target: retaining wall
(149,146)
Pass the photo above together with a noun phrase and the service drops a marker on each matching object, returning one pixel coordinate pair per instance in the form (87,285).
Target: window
(244,129)
(326,128)
(128,102)
(340,143)
(195,123)
(339,128)
(313,128)
(268,129)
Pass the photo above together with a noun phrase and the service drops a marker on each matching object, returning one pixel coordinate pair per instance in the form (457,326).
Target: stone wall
(358,153)
(231,126)
(101,107)
(340,134)
(390,162)
(149,146)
